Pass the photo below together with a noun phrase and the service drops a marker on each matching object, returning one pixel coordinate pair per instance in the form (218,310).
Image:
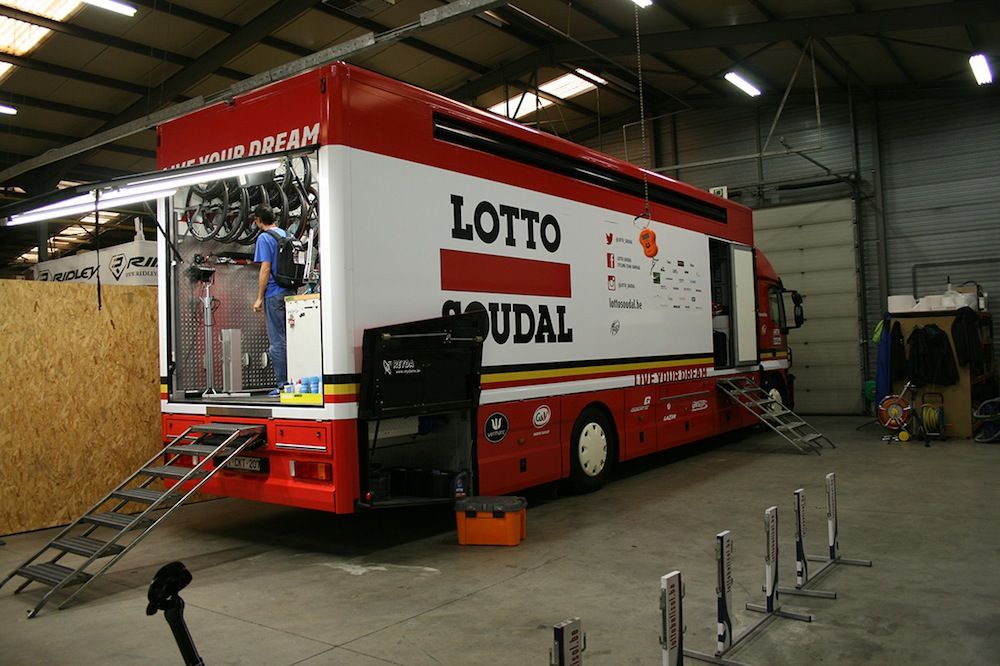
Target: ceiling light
(9,110)
(523,104)
(113,6)
(643,3)
(981,68)
(742,84)
(42,214)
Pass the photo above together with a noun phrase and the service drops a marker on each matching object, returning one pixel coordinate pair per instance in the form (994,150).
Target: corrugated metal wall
(941,188)
(939,164)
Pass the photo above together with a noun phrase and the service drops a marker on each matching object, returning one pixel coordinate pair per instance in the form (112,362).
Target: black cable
(97,238)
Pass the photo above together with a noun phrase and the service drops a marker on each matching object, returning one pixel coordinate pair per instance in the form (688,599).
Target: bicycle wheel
(235,218)
(278,201)
(295,176)
(204,215)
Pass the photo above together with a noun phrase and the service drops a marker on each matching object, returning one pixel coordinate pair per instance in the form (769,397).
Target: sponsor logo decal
(699,405)
(496,428)
(400,366)
(274,143)
(664,376)
(117,266)
(541,416)
(497,225)
(616,326)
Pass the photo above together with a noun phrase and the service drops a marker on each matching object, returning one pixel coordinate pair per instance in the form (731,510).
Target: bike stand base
(701,656)
(839,560)
(779,612)
(801,592)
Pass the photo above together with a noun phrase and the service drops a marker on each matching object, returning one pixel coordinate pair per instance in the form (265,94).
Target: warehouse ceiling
(92,69)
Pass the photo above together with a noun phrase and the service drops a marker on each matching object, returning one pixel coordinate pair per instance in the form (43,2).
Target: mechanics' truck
(610,314)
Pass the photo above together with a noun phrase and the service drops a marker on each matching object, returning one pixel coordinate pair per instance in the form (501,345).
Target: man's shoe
(274,394)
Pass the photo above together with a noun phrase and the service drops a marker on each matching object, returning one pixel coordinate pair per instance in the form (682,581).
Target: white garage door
(812,248)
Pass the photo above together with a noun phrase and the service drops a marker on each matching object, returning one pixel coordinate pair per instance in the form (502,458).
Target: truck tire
(593,449)
(774,386)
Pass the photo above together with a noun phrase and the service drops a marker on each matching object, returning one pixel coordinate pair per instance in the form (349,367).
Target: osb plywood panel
(79,396)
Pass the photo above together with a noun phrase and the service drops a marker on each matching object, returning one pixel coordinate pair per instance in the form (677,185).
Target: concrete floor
(281,586)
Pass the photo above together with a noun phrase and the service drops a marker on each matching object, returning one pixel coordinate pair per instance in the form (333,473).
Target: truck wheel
(593,449)
(775,389)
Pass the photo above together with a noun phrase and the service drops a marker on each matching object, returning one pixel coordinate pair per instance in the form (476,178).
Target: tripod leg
(175,618)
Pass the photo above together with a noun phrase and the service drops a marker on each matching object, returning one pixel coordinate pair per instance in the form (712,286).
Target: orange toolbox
(491,521)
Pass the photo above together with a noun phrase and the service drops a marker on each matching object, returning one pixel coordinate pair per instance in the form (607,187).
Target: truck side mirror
(800,316)
(797,299)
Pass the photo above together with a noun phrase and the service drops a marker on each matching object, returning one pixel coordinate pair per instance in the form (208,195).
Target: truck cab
(774,305)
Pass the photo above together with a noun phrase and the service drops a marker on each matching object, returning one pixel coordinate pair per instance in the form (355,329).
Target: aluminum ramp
(790,426)
(93,552)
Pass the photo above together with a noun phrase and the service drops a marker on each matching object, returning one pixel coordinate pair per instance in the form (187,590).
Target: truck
(607,301)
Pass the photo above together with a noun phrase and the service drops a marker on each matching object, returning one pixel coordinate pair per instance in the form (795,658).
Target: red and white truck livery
(608,326)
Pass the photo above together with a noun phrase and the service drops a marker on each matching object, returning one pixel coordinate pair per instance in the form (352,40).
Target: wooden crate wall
(79,396)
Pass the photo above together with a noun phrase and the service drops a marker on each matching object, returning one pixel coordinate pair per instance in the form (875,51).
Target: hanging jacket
(897,352)
(931,360)
(965,333)
(883,367)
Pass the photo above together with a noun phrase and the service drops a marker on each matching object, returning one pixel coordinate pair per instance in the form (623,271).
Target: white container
(968,301)
(932,302)
(901,303)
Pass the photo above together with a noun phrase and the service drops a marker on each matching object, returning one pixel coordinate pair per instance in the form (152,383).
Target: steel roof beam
(887,20)
(59,70)
(15,99)
(771,16)
(413,42)
(218,24)
(110,40)
(154,98)
(683,71)
(63,139)
(836,25)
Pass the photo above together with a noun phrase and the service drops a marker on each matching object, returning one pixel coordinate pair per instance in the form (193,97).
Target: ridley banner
(129,263)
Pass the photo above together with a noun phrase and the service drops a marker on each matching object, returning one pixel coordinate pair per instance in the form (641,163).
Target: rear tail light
(311,471)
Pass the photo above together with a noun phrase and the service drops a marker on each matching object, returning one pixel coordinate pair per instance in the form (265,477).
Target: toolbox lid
(491,504)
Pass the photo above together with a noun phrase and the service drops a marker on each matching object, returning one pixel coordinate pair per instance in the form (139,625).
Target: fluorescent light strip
(981,69)
(117,196)
(9,110)
(113,6)
(643,3)
(167,179)
(103,204)
(742,84)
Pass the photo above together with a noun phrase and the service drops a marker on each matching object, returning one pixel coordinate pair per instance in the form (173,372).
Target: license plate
(248,464)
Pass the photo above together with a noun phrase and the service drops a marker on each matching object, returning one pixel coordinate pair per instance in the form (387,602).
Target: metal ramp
(792,427)
(96,552)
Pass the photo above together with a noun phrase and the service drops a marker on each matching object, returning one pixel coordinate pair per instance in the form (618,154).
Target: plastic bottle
(314,385)
(298,386)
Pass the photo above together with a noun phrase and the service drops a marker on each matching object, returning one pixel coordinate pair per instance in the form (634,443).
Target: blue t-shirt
(267,250)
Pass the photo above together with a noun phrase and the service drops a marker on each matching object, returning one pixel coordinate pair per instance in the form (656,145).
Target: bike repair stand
(801,563)
(770,606)
(164,595)
(831,529)
(205,275)
(724,588)
(568,643)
